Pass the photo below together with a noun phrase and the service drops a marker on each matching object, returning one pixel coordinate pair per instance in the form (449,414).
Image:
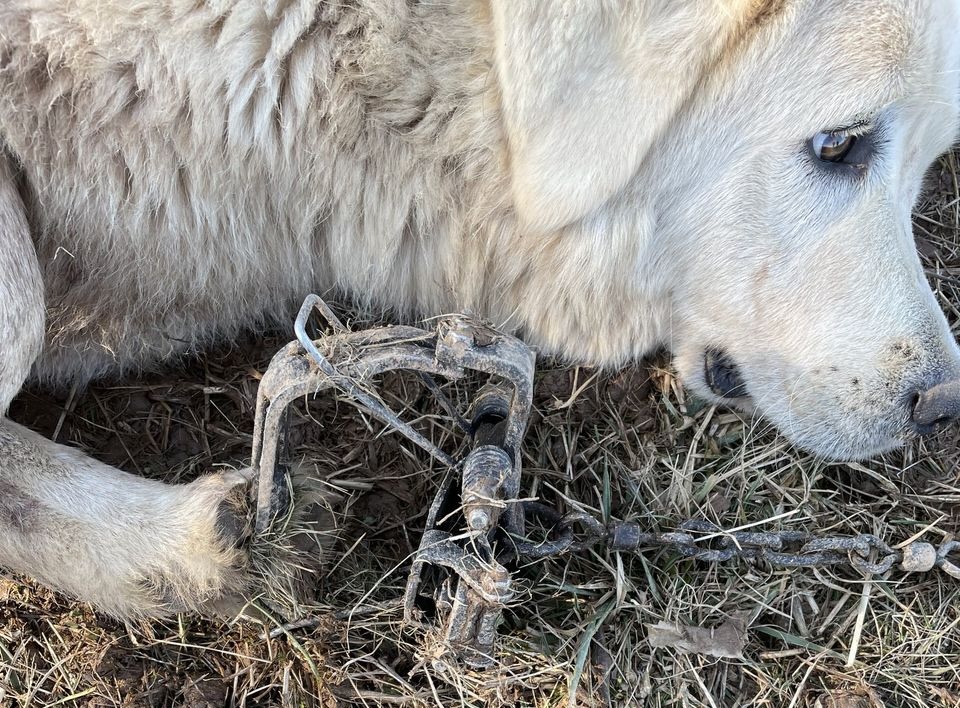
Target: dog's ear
(588,86)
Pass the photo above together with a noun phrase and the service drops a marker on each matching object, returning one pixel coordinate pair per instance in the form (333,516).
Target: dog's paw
(204,560)
(234,520)
(219,568)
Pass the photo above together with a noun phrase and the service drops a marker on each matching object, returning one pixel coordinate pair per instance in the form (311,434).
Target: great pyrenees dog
(731,179)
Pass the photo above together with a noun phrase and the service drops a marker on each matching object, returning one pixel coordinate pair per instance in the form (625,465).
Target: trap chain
(477,528)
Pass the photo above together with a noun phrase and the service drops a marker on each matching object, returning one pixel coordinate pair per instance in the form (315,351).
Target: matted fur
(605,177)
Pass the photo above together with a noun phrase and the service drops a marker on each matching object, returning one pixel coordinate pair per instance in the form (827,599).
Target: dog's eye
(832,147)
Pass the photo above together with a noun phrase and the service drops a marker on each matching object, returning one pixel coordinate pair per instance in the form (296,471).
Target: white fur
(606,177)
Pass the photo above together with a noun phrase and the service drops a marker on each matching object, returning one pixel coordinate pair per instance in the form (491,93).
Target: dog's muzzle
(723,375)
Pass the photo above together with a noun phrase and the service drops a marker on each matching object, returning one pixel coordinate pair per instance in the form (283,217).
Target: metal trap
(477,528)
(457,579)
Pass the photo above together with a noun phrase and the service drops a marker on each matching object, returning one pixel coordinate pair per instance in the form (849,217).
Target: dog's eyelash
(857,129)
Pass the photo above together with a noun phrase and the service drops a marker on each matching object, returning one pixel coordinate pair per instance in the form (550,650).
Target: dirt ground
(622,445)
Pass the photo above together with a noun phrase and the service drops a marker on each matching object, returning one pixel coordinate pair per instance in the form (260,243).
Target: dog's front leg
(131,546)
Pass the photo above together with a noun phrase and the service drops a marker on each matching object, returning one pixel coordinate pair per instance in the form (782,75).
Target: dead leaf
(725,641)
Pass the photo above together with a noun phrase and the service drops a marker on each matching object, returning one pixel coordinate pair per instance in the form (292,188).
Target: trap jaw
(456,557)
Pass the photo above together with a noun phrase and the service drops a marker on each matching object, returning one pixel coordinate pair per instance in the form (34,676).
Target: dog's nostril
(936,406)
(912,403)
(723,375)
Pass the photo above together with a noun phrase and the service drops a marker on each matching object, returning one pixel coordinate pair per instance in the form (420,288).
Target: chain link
(704,541)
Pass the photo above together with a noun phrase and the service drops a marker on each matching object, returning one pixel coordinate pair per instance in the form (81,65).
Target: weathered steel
(459,564)
(466,521)
(866,553)
(348,361)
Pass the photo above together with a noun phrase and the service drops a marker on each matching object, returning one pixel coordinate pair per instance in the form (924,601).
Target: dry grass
(629,446)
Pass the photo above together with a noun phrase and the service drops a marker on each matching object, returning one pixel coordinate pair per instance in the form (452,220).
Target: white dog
(730,178)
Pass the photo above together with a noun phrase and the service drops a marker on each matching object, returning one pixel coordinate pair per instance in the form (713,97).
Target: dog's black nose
(723,375)
(936,406)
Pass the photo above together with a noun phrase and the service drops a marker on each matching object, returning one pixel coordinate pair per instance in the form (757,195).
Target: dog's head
(734,179)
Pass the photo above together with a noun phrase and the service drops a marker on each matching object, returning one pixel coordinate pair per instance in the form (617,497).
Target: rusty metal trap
(477,528)
(456,571)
